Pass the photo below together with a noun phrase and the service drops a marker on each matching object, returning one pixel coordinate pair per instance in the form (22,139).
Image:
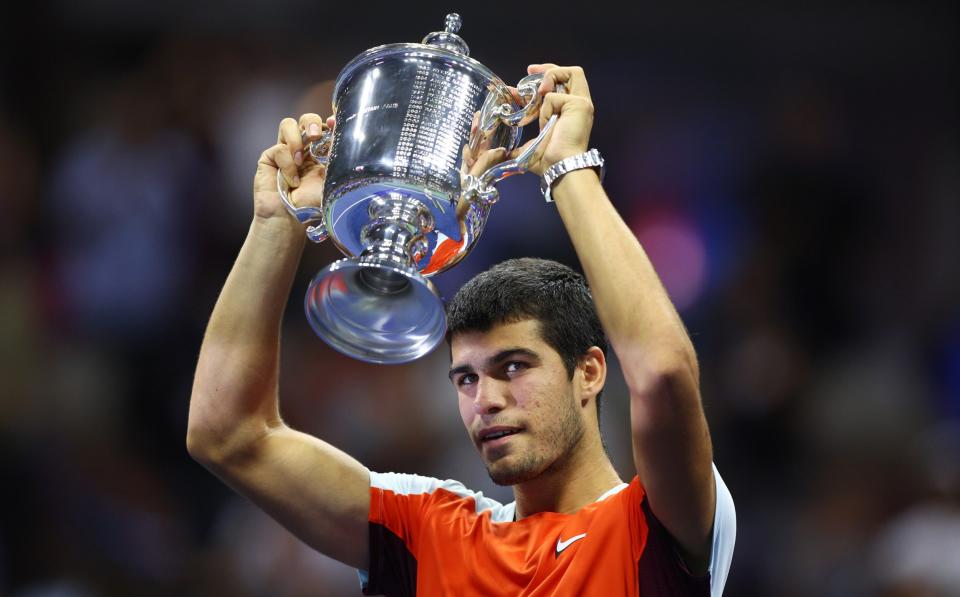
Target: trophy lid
(448,39)
(440,45)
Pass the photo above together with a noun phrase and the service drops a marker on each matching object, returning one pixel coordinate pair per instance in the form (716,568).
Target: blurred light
(366,94)
(676,247)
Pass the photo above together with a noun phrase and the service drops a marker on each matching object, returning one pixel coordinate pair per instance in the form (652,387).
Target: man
(528,365)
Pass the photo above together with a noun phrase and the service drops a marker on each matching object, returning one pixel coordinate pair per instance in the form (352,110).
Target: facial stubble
(532,462)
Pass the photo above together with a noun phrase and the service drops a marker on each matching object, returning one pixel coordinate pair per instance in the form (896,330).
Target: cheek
(537,401)
(466,410)
(527,393)
(548,405)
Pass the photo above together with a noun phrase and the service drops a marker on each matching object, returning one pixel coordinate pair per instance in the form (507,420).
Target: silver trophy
(399,198)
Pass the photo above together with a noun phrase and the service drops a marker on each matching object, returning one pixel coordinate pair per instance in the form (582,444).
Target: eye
(466,379)
(515,366)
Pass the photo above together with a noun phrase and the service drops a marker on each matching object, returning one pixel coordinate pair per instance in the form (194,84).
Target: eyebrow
(501,356)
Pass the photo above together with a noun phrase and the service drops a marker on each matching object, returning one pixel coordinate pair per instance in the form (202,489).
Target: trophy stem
(378,307)
(383,281)
(394,238)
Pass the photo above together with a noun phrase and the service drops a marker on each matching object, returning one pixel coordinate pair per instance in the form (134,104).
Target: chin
(508,478)
(513,473)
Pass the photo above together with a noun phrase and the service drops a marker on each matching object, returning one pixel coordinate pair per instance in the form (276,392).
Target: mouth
(496,436)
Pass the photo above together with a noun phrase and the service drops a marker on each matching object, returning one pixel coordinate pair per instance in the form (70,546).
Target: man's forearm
(234,396)
(637,314)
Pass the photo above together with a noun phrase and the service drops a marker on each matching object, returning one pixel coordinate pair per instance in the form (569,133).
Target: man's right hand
(291,156)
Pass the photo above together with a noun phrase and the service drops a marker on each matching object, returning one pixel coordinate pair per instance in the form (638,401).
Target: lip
(500,440)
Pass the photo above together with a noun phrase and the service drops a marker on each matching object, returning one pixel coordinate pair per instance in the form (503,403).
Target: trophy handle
(317,229)
(527,89)
(482,188)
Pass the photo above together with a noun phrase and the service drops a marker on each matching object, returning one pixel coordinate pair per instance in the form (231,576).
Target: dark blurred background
(792,169)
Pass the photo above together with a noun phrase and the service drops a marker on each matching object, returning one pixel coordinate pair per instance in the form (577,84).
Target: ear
(593,374)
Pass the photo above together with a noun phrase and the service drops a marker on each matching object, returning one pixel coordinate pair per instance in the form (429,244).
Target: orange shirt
(436,538)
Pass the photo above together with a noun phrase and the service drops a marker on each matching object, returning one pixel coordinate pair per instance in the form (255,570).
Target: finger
(488,158)
(475,123)
(519,150)
(312,125)
(279,157)
(571,77)
(331,121)
(313,128)
(515,94)
(557,103)
(289,135)
(552,104)
(540,68)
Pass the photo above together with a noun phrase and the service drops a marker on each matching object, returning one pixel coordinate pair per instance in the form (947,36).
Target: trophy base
(377,312)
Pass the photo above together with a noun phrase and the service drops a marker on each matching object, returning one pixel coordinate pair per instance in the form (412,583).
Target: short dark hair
(546,291)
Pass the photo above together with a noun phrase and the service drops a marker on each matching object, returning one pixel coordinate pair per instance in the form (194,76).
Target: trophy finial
(448,39)
(453,22)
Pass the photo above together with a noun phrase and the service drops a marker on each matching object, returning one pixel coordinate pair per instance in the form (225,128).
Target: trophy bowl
(400,199)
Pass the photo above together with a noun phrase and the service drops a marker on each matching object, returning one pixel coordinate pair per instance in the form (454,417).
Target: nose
(492,396)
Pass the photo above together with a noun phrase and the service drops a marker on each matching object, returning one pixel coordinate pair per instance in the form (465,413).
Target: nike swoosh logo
(562,545)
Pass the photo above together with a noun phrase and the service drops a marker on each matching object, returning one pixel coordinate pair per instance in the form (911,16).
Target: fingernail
(314,129)
(298,158)
(296,181)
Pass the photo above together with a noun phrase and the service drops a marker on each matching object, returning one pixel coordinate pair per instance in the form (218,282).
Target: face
(516,400)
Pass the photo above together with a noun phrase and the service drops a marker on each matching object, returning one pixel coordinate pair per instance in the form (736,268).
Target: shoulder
(434,491)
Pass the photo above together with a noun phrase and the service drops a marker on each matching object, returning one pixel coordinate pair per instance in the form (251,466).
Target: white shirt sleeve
(724,536)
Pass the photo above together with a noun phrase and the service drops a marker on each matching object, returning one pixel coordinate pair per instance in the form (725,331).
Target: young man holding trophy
(528,348)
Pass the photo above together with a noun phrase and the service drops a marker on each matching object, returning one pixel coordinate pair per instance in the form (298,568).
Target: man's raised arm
(235,429)
(671,442)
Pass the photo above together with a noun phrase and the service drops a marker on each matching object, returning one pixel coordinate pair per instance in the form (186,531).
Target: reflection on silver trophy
(400,199)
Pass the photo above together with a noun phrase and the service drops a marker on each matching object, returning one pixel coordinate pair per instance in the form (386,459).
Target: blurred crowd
(798,195)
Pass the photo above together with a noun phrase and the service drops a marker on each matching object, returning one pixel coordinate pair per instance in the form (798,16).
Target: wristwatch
(589,159)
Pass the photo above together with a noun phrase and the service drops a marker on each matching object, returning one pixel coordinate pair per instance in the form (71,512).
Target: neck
(584,475)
